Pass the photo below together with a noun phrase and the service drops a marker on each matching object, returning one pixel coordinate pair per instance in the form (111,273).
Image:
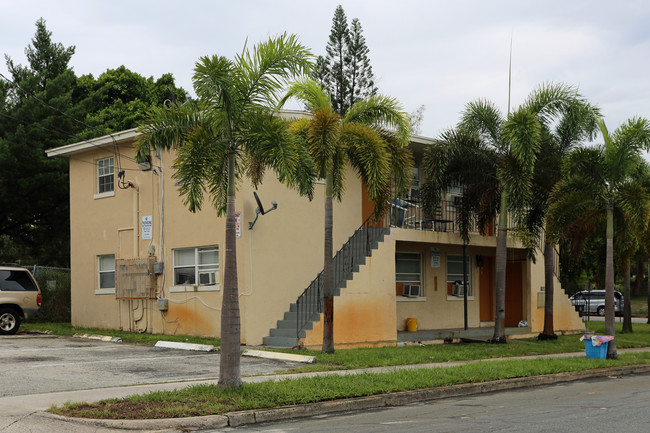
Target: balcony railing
(410,215)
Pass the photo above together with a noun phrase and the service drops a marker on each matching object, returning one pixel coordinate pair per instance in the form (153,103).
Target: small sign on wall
(147,227)
(435,257)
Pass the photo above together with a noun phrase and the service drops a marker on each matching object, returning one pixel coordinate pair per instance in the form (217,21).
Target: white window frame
(199,268)
(105,290)
(458,258)
(102,173)
(402,277)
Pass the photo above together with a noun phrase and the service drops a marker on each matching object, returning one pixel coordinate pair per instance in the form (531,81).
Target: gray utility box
(163,303)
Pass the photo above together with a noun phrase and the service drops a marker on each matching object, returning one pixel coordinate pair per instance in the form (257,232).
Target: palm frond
(308,92)
(381,112)
(369,156)
(168,128)
(265,70)
(522,131)
(483,118)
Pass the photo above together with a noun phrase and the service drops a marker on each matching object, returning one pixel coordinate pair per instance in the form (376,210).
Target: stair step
(291,324)
(283,342)
(286,332)
(284,335)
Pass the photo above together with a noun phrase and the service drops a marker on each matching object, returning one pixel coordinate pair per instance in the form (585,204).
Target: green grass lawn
(127,337)
(387,356)
(212,400)
(640,306)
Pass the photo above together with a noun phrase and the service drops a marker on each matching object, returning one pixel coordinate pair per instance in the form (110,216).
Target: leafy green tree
(599,181)
(119,99)
(228,134)
(44,105)
(493,158)
(360,139)
(345,72)
(33,188)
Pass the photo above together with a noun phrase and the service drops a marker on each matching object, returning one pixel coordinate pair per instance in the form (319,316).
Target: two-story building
(142,262)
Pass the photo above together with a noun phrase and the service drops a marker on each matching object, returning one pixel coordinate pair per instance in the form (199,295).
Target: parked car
(593,302)
(20,298)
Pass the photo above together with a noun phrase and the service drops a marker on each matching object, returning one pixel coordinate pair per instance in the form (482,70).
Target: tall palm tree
(361,139)
(597,184)
(575,125)
(493,158)
(230,133)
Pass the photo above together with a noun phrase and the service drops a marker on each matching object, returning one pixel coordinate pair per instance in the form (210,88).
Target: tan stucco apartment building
(142,262)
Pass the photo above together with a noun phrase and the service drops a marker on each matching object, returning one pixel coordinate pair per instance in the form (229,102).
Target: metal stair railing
(346,261)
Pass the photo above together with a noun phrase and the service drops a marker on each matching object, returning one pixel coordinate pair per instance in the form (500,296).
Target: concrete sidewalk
(23,413)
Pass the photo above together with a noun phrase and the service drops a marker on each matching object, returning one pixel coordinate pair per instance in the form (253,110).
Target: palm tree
(227,134)
(493,158)
(575,125)
(598,184)
(360,139)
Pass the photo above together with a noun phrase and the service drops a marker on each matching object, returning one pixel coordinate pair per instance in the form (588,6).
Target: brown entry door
(486,290)
(514,293)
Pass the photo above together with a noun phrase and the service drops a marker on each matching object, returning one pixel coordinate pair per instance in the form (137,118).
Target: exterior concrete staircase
(308,307)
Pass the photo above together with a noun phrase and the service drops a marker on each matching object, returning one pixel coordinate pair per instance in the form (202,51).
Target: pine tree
(361,80)
(345,72)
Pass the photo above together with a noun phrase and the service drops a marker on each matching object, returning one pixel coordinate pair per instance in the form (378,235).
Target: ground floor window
(408,273)
(455,275)
(106,266)
(196,266)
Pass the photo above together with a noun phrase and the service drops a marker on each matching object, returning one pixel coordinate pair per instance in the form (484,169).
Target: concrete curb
(185,346)
(106,338)
(280,356)
(234,419)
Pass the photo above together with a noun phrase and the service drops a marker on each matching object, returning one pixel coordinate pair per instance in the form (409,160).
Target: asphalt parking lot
(35,364)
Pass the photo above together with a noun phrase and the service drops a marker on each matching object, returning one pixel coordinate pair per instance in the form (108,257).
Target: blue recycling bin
(598,351)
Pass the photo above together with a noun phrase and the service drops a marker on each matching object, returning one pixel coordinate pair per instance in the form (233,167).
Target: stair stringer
(365,312)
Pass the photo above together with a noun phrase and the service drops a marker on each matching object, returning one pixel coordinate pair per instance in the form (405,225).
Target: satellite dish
(260,209)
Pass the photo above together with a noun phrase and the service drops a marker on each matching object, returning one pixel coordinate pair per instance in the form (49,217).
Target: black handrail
(351,255)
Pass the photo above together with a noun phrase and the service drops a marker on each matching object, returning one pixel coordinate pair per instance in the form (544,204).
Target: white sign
(435,257)
(147,227)
(238,223)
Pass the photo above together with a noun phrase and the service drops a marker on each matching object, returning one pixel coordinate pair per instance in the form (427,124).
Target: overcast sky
(438,53)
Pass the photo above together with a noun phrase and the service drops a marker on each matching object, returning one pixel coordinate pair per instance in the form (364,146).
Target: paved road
(598,405)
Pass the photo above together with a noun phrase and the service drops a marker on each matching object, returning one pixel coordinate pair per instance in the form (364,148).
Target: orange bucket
(411,324)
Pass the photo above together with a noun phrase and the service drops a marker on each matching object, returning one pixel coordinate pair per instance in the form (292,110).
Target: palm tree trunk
(328,272)
(229,366)
(549,264)
(609,285)
(501,257)
(627,299)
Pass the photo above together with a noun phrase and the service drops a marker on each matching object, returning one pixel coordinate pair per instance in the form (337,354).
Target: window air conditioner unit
(458,289)
(412,290)
(207,278)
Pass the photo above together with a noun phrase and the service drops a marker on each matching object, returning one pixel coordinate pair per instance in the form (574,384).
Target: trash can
(411,324)
(596,345)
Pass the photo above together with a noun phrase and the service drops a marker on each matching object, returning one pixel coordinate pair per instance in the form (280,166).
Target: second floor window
(105,175)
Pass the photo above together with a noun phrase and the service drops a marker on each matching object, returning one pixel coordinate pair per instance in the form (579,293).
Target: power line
(63,132)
